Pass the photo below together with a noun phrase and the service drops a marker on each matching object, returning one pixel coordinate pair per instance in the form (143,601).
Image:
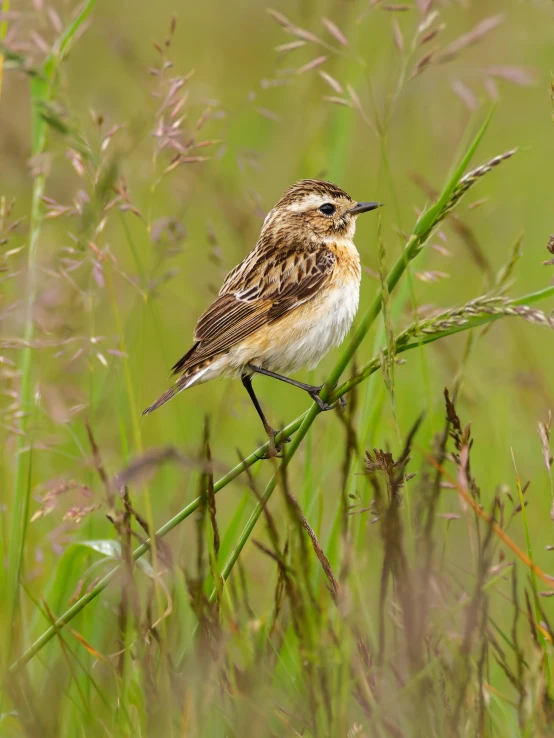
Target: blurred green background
(393,138)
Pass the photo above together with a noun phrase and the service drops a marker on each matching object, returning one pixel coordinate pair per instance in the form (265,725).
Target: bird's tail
(181,384)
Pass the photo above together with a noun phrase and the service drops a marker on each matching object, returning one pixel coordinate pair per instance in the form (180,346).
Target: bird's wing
(266,290)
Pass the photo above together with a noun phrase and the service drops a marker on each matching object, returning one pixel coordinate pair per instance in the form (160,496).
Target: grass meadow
(392,574)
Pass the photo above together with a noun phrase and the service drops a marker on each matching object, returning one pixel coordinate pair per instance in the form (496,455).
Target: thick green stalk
(19,484)
(40,91)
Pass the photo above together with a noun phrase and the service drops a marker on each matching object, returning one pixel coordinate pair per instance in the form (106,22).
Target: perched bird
(292,299)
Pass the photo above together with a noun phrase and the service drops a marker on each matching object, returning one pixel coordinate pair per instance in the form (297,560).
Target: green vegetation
(389,576)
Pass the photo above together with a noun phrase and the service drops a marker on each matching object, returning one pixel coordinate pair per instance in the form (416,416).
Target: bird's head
(316,210)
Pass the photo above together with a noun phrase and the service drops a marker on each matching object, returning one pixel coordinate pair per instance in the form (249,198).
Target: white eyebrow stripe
(309,202)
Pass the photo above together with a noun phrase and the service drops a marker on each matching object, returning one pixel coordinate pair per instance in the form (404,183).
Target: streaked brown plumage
(289,301)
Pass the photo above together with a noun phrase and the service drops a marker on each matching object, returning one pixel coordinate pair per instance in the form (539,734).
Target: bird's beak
(364,207)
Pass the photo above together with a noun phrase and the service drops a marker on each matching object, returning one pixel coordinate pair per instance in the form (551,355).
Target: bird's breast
(304,337)
(347,260)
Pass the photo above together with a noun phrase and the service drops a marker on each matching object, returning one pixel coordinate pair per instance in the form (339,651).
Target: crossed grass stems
(479,312)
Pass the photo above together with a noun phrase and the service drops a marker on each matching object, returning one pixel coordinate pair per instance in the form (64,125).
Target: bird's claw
(275,450)
(322,405)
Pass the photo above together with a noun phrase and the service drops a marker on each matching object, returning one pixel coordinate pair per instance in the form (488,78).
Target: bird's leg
(274,449)
(312,389)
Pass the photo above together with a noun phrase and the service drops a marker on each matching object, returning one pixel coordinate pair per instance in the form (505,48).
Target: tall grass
(388,576)
(42,91)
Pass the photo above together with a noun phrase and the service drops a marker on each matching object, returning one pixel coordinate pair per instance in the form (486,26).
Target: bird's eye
(327,209)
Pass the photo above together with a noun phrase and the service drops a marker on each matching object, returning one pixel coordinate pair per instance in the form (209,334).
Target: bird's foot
(322,405)
(275,450)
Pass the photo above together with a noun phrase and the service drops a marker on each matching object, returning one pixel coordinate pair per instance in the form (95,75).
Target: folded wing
(256,293)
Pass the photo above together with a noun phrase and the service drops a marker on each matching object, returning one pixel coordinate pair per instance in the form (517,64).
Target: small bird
(290,301)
